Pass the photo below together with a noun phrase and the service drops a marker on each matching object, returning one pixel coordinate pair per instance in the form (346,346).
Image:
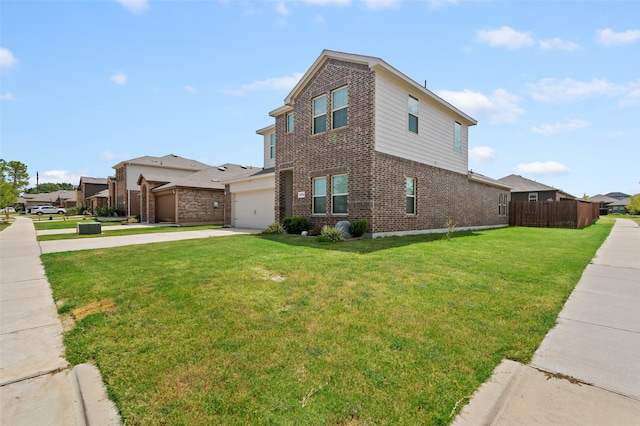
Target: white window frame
(412,196)
(272,145)
(314,196)
(533,196)
(313,110)
(339,194)
(457,136)
(334,110)
(416,115)
(290,118)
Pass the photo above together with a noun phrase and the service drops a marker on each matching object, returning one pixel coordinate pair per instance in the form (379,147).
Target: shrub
(358,227)
(274,228)
(315,231)
(76,210)
(296,224)
(450,224)
(331,234)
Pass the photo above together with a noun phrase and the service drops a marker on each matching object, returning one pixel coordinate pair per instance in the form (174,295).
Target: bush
(274,228)
(357,228)
(315,231)
(76,210)
(296,224)
(331,234)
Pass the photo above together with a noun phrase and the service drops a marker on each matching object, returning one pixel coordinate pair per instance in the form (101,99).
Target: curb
(92,405)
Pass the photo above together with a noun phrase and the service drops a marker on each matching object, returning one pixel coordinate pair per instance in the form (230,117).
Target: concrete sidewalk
(587,369)
(36,386)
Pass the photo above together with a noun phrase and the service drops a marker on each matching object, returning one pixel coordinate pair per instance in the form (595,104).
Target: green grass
(42,223)
(286,330)
(129,231)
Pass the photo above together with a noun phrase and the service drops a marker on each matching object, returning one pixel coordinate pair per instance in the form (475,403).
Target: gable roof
(618,195)
(169,161)
(212,177)
(521,184)
(487,180)
(101,194)
(50,197)
(374,64)
(93,180)
(602,199)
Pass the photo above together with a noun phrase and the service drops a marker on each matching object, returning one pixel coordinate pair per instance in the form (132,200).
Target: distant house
(99,199)
(613,202)
(618,195)
(604,201)
(127,189)
(61,198)
(193,199)
(620,206)
(357,139)
(88,187)
(523,189)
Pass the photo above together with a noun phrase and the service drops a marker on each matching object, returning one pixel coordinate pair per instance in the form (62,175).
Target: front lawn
(128,231)
(286,330)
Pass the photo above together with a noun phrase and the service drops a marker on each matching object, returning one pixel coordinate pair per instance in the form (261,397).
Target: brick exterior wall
(376,181)
(196,206)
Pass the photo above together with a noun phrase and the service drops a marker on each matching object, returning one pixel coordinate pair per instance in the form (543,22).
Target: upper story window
(339,107)
(272,145)
(289,122)
(320,114)
(411,195)
(413,114)
(457,136)
(320,195)
(533,196)
(339,194)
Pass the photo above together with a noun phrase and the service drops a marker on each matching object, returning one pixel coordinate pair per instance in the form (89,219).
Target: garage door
(254,209)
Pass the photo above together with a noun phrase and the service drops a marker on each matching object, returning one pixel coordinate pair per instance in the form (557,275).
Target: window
(272,145)
(290,123)
(411,195)
(339,107)
(413,114)
(320,195)
(533,196)
(339,194)
(457,136)
(502,204)
(320,114)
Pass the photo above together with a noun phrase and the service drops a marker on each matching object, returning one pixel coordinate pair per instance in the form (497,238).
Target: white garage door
(254,209)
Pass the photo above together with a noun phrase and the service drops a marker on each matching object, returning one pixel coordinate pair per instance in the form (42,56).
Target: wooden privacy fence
(553,214)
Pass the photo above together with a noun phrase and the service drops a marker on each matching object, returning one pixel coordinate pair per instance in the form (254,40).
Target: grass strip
(286,330)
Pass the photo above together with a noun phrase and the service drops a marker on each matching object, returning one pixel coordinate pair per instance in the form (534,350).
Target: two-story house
(88,187)
(357,139)
(127,188)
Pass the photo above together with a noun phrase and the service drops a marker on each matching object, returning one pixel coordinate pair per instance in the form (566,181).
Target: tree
(8,194)
(634,204)
(50,187)
(15,173)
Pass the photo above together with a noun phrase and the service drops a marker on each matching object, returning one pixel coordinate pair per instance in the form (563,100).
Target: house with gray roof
(88,187)
(523,189)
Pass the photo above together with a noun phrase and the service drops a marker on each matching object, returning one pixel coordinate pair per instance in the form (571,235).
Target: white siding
(434,143)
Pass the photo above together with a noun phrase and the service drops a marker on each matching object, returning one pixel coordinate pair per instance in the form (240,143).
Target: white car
(8,210)
(47,209)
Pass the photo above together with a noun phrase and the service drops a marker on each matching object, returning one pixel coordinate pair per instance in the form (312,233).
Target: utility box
(88,228)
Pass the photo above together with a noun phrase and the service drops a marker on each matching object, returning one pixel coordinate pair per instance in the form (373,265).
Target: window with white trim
(413,114)
(320,114)
(290,122)
(533,196)
(339,107)
(339,194)
(272,145)
(410,190)
(319,195)
(457,136)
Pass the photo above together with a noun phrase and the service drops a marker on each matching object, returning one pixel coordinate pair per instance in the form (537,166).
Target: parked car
(8,210)
(47,209)
(32,208)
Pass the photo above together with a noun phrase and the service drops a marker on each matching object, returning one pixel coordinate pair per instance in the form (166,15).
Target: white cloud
(279,83)
(633,97)
(482,154)
(566,125)
(282,9)
(8,96)
(381,4)
(498,107)
(552,90)
(119,78)
(505,37)
(537,168)
(190,89)
(135,6)
(57,176)
(7,60)
(558,44)
(608,37)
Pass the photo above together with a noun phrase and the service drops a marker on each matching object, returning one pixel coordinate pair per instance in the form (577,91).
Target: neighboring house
(605,203)
(88,187)
(618,195)
(524,189)
(620,206)
(99,199)
(197,198)
(127,189)
(61,198)
(358,139)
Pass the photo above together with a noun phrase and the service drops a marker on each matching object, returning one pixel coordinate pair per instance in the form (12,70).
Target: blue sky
(555,86)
